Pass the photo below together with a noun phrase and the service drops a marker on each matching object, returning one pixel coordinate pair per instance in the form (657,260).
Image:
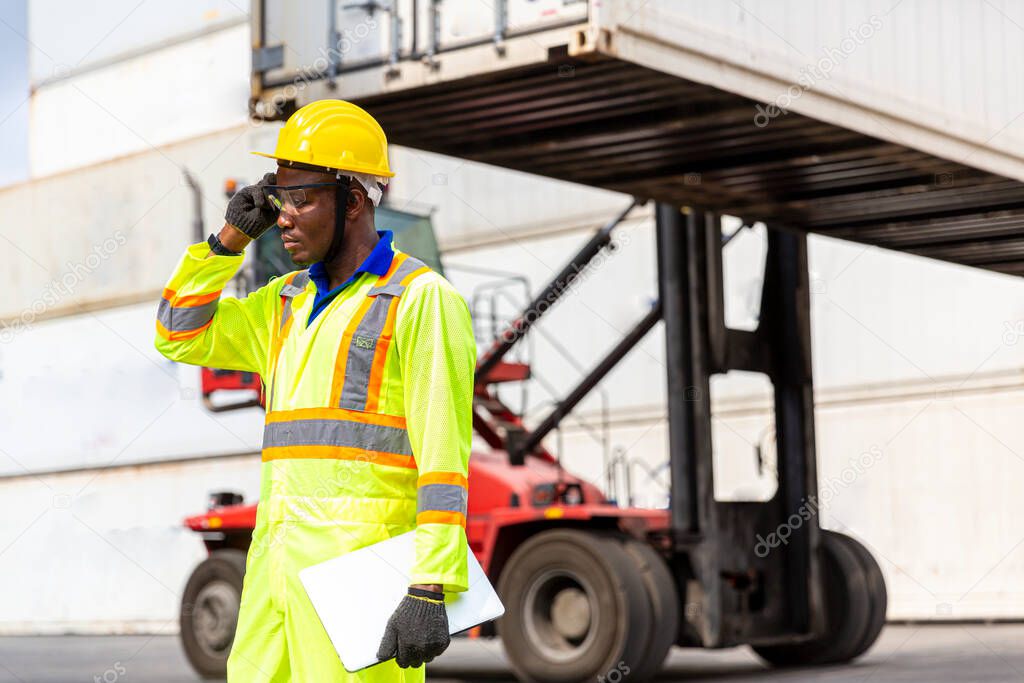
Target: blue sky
(14,105)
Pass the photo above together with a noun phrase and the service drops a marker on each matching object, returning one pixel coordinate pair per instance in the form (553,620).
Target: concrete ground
(904,654)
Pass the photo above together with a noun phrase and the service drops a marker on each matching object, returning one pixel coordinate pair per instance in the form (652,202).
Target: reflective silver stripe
(392,289)
(292,289)
(361,351)
(444,497)
(182,318)
(341,433)
(363,347)
(394,284)
(297,285)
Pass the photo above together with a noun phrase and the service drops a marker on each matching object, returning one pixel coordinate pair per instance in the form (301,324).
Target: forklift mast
(734,595)
(740,596)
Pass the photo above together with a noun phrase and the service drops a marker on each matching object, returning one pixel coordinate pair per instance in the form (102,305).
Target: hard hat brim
(354,168)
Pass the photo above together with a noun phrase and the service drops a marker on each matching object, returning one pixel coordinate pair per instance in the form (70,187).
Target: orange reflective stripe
(396,421)
(338,453)
(376,378)
(190,299)
(396,261)
(454,478)
(195,299)
(275,348)
(338,382)
(416,273)
(179,335)
(277,342)
(275,352)
(440,517)
(379,358)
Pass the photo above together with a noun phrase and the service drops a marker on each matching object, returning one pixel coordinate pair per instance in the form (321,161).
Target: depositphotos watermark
(571,283)
(818,71)
(112,674)
(59,288)
(809,509)
(619,672)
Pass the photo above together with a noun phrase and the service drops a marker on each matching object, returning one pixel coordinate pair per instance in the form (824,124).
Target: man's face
(307,230)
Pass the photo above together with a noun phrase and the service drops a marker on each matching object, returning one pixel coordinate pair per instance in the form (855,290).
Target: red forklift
(590,586)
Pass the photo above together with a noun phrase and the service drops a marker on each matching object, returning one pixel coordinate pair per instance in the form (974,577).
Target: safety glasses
(291,198)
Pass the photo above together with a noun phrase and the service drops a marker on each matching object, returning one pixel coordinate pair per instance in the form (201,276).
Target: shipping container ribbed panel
(881,123)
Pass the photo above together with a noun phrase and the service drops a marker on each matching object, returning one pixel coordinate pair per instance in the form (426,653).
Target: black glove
(250,211)
(417,631)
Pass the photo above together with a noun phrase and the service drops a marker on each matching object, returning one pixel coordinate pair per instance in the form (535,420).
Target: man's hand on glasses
(292,198)
(249,210)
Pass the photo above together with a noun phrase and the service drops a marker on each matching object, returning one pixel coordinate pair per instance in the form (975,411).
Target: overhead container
(692,105)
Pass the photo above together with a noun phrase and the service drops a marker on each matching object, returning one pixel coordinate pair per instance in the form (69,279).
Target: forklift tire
(209,611)
(848,611)
(663,597)
(878,595)
(575,609)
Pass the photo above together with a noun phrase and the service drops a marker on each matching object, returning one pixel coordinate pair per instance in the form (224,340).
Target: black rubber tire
(591,565)
(223,572)
(878,595)
(847,611)
(663,597)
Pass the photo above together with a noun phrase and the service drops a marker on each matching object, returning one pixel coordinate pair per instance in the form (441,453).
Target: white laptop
(355,594)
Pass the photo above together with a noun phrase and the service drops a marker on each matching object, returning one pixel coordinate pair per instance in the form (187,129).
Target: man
(368,360)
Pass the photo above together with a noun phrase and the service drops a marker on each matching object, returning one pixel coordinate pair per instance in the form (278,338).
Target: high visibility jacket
(369,411)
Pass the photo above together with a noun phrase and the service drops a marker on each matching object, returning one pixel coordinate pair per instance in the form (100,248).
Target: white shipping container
(178,92)
(106,552)
(303,44)
(92,391)
(68,37)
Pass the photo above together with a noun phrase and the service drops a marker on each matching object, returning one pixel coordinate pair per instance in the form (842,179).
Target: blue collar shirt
(377,263)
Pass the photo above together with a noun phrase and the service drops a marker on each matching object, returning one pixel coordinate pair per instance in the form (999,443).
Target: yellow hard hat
(335,135)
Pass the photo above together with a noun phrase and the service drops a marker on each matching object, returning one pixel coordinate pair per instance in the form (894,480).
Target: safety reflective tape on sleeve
(442,498)
(190,299)
(439,517)
(182,317)
(443,478)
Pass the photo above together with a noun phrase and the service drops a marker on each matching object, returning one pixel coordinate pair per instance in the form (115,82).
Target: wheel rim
(561,615)
(215,617)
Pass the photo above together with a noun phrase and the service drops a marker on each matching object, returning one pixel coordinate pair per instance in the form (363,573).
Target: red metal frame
(501,498)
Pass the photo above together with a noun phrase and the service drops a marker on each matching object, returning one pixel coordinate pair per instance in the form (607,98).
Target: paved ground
(904,654)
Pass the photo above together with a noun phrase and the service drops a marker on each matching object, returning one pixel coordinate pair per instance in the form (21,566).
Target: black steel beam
(566,405)
(674,288)
(786,311)
(551,293)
